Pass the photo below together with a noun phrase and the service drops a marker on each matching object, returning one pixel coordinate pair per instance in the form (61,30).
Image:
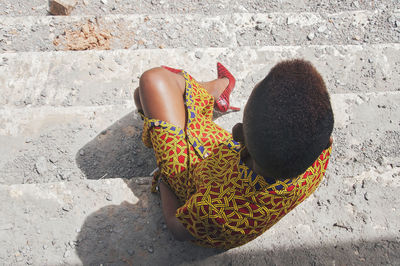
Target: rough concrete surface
(74,185)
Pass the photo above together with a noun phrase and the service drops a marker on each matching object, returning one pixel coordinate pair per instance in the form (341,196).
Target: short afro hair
(288,119)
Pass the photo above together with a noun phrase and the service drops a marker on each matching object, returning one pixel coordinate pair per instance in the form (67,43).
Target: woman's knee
(152,81)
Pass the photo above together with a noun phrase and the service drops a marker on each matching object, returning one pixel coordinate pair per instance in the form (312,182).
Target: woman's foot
(222,103)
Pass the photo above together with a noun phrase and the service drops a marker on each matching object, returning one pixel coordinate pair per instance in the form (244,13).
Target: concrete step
(94,7)
(197,30)
(118,222)
(49,144)
(93,78)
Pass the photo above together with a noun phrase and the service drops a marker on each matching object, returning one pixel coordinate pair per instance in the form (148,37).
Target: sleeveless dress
(224,203)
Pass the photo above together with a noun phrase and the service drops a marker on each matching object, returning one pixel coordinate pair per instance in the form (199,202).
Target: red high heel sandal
(173,70)
(222,103)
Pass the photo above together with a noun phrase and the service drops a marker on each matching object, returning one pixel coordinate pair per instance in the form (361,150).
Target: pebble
(397,23)
(61,176)
(61,7)
(356,4)
(198,54)
(109,197)
(104,2)
(41,165)
(366,196)
(150,249)
(67,253)
(142,181)
(44,246)
(311,36)
(322,28)
(290,20)
(81,153)
(131,252)
(260,26)
(67,208)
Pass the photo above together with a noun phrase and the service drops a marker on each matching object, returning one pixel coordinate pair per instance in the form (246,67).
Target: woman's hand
(170,204)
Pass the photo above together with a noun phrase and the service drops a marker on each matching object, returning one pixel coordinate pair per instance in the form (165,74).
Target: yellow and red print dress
(224,203)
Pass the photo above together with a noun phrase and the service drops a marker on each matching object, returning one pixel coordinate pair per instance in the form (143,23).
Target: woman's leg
(215,87)
(161,94)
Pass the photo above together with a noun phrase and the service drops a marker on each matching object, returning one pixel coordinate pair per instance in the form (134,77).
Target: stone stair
(72,166)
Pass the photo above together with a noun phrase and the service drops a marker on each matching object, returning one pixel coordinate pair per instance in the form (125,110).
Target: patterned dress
(224,203)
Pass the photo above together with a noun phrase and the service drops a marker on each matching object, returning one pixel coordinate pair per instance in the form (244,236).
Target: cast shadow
(128,233)
(117,152)
(134,234)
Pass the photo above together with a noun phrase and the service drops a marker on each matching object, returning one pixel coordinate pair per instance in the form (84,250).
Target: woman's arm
(170,204)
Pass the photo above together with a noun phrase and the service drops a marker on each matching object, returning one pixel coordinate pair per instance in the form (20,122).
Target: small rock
(366,196)
(61,176)
(142,181)
(150,249)
(29,140)
(397,23)
(44,246)
(67,253)
(109,197)
(356,38)
(356,4)
(198,54)
(86,2)
(131,252)
(41,165)
(81,152)
(322,28)
(67,208)
(290,20)
(260,26)
(61,7)
(104,2)
(311,36)
(78,230)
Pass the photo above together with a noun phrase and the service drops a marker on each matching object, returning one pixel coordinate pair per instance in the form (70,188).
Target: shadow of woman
(132,233)
(117,152)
